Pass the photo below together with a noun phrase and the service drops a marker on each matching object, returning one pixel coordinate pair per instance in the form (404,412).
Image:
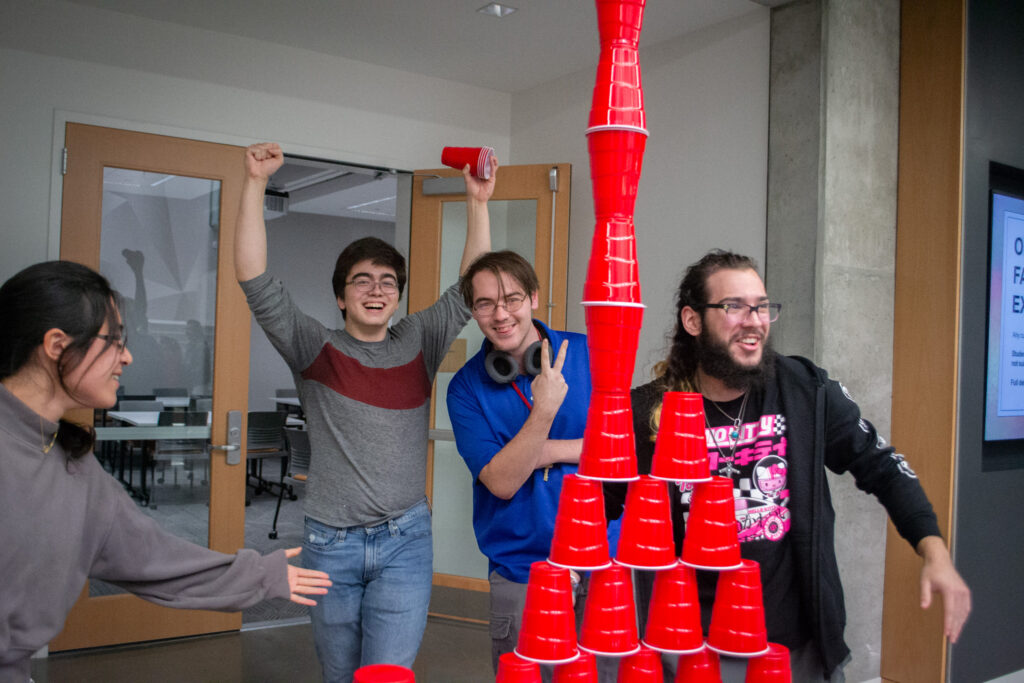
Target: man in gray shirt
(365,390)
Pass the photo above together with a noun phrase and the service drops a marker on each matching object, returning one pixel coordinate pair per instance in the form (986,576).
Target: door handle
(234,445)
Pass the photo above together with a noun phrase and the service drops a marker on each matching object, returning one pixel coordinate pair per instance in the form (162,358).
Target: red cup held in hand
(478,158)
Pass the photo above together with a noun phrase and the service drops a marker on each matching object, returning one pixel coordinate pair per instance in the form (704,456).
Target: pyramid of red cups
(616,137)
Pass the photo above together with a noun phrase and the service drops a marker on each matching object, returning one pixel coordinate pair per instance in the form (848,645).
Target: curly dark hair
(677,371)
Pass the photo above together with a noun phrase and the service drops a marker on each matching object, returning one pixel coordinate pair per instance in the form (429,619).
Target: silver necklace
(728,469)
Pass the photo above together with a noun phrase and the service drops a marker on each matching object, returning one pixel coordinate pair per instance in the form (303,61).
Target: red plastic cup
(711,540)
(478,158)
(645,539)
(613,274)
(618,98)
(773,667)
(548,631)
(673,621)
(609,445)
(616,159)
(700,667)
(737,617)
(580,539)
(609,617)
(383,673)
(642,667)
(620,21)
(514,669)
(681,453)
(580,670)
(613,335)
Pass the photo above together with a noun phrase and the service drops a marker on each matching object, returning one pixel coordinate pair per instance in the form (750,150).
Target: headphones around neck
(503,368)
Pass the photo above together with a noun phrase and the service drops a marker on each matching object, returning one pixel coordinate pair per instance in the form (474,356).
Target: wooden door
(198,183)
(530,215)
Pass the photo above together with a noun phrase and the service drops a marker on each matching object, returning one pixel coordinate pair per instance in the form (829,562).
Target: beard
(714,359)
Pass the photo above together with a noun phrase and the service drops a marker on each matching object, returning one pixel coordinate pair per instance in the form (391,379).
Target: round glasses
(365,284)
(485,308)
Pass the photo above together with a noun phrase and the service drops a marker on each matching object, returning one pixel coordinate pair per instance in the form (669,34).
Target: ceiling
(541,41)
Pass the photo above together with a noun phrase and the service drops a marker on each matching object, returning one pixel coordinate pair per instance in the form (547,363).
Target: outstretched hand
(549,387)
(263,159)
(480,190)
(305,581)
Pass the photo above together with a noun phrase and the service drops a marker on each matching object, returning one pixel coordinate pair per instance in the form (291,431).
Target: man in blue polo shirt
(518,419)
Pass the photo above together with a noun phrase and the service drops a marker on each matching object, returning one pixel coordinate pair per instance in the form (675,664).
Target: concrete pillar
(831,243)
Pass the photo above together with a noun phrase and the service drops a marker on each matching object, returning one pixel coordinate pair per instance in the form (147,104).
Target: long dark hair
(678,370)
(62,295)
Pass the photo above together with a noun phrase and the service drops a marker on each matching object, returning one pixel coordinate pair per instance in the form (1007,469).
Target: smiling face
(731,349)
(511,332)
(94,381)
(367,313)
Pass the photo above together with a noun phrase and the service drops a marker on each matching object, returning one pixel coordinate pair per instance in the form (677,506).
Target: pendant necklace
(734,434)
(42,439)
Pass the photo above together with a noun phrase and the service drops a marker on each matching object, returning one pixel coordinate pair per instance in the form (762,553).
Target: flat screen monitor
(1004,358)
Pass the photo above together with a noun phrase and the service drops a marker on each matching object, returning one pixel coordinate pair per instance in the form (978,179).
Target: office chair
(298,467)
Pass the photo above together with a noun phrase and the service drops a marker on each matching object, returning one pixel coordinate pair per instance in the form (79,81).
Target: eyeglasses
(736,312)
(365,284)
(485,308)
(118,340)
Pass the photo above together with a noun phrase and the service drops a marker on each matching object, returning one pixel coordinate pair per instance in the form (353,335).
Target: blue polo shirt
(485,416)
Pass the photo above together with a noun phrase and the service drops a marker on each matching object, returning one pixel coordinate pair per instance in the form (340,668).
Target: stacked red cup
(609,617)
(383,673)
(548,631)
(616,137)
(681,451)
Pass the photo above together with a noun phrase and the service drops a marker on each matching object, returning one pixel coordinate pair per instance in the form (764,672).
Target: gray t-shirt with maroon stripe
(366,403)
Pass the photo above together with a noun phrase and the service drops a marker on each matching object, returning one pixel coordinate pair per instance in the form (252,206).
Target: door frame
(527,181)
(115,619)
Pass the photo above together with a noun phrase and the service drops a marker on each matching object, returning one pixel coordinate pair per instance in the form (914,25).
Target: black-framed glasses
(118,340)
(485,308)
(367,284)
(766,312)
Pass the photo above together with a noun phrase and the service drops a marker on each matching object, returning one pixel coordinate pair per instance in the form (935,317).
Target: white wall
(705,168)
(61,61)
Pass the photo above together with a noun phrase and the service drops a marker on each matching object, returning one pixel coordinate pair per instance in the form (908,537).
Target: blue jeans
(376,610)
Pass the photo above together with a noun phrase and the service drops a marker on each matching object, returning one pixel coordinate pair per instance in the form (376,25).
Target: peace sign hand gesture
(549,387)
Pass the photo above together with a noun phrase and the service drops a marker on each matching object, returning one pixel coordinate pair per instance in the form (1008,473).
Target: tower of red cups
(616,137)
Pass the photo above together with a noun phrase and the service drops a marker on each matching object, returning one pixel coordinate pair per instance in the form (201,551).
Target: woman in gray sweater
(63,519)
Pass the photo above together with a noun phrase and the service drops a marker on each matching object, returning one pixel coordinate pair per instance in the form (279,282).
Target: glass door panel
(155,215)
(158,248)
(513,226)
